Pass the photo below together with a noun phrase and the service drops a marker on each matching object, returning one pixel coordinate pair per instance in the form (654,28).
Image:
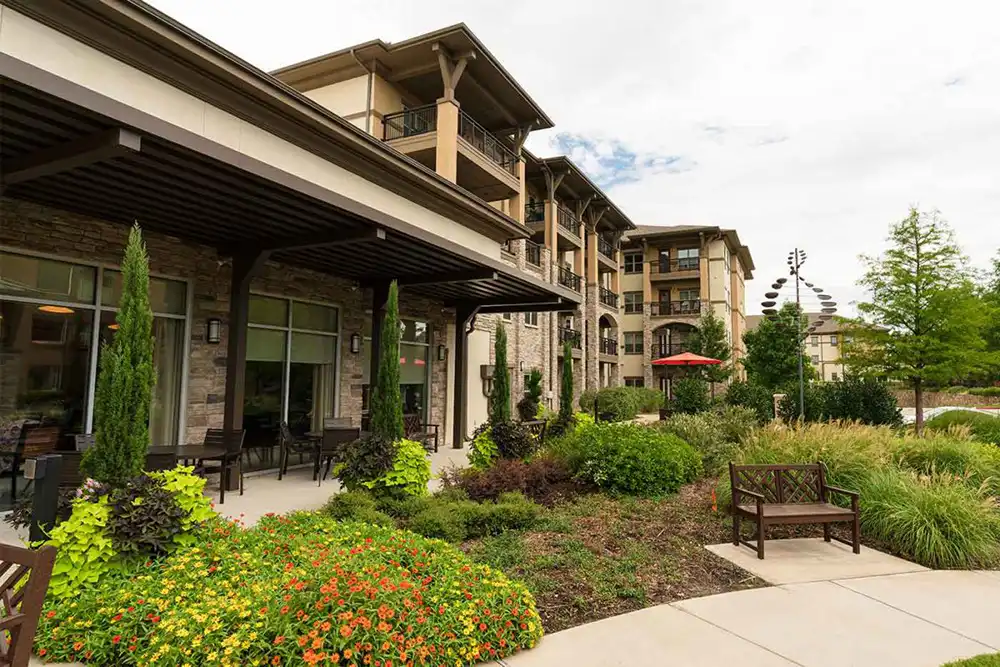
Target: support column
(647,323)
(380,295)
(463,317)
(446,151)
(245,266)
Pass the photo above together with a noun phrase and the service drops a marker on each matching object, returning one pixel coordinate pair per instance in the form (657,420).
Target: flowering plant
(301,589)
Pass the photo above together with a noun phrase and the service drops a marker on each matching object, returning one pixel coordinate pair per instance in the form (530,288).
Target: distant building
(823,347)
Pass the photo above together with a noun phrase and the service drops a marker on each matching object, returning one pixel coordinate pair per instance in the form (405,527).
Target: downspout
(370,87)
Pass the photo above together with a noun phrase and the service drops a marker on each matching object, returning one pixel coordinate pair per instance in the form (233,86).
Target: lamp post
(796,259)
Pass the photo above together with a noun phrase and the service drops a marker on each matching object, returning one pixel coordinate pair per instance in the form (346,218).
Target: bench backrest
(413,424)
(783,484)
(537,428)
(25,575)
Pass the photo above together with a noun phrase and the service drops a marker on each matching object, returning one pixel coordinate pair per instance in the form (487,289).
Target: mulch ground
(597,556)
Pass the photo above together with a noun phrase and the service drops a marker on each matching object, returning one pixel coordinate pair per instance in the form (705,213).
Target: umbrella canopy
(686,359)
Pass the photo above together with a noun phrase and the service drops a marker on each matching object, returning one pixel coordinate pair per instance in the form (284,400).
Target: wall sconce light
(522,365)
(213,333)
(441,353)
(355,343)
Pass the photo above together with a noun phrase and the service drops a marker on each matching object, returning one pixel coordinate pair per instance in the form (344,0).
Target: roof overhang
(577,186)
(486,90)
(135,33)
(72,148)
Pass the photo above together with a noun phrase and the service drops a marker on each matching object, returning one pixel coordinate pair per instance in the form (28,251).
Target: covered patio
(375,217)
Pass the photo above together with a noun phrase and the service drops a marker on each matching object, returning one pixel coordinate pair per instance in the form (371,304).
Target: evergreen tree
(386,402)
(709,340)
(500,398)
(923,323)
(125,380)
(773,349)
(566,388)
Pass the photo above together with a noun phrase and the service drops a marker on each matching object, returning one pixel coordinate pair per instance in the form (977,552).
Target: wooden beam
(508,116)
(328,239)
(511,302)
(581,206)
(456,73)
(418,70)
(106,145)
(540,307)
(553,180)
(448,277)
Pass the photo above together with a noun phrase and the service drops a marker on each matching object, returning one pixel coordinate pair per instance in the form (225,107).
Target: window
(531,319)
(635,382)
(507,317)
(833,339)
(633,342)
(414,366)
(848,340)
(687,259)
(633,302)
(815,358)
(632,262)
(814,341)
(833,376)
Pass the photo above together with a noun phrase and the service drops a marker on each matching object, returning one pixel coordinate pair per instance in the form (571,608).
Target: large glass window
(414,366)
(633,302)
(632,262)
(687,259)
(291,366)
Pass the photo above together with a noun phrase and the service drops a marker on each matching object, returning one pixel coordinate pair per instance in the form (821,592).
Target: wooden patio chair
(229,460)
(22,604)
(331,448)
(289,445)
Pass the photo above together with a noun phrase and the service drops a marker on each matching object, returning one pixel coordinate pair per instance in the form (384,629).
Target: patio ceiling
(62,154)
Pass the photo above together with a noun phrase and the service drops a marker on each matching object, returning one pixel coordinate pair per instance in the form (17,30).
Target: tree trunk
(918,404)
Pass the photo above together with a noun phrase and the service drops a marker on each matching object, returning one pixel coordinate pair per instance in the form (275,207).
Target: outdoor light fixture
(355,343)
(214,332)
(440,352)
(57,310)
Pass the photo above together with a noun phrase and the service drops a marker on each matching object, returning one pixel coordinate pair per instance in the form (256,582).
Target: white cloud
(796,122)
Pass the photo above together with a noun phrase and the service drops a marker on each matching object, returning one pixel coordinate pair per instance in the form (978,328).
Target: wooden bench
(24,580)
(537,428)
(414,428)
(771,495)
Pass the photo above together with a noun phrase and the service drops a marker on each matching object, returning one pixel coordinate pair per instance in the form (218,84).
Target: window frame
(636,349)
(531,319)
(636,381)
(632,255)
(637,306)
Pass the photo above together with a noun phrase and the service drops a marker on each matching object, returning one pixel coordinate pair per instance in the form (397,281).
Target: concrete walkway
(832,615)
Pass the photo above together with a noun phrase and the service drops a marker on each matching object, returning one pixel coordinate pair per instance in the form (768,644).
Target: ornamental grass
(299,589)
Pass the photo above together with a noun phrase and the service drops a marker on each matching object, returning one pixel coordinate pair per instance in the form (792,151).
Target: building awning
(68,147)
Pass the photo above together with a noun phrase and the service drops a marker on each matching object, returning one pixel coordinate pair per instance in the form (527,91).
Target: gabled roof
(486,90)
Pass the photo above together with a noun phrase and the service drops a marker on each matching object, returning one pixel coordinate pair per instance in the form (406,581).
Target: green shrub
(716,434)
(621,403)
(650,400)
(456,520)
(985,660)
(86,551)
(949,452)
(366,460)
(513,440)
(187,490)
(544,479)
(356,506)
(587,398)
(630,459)
(409,474)
(483,451)
(386,404)
(145,519)
(441,521)
(936,521)
(751,396)
(867,401)
(690,395)
(984,427)
(985,391)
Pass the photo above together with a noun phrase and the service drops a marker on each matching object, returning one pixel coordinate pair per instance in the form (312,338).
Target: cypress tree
(125,379)
(386,402)
(566,388)
(500,398)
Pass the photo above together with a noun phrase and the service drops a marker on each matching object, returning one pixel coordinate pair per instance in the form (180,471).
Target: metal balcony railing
(658,351)
(409,123)
(609,346)
(607,297)
(569,279)
(663,266)
(532,253)
(572,336)
(690,307)
(567,220)
(534,211)
(606,248)
(486,143)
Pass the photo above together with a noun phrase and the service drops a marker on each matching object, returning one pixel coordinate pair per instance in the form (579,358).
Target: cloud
(610,162)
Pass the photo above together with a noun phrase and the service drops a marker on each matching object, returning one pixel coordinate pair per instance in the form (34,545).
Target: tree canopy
(710,340)
(773,349)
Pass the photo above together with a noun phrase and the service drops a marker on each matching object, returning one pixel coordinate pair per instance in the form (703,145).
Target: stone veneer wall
(41,229)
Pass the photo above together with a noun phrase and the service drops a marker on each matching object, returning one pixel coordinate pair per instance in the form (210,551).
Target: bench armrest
(739,491)
(837,489)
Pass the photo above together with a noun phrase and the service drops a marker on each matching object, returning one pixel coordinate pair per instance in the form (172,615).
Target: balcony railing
(658,351)
(410,123)
(534,211)
(606,248)
(662,266)
(572,336)
(532,253)
(508,246)
(569,279)
(609,346)
(690,307)
(607,297)
(567,220)
(487,144)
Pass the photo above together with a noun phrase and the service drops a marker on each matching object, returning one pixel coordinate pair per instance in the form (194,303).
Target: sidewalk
(916,619)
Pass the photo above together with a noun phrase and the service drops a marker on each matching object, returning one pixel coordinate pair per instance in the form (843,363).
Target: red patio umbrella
(686,359)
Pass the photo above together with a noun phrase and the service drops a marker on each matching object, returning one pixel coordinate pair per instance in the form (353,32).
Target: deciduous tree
(773,349)
(710,340)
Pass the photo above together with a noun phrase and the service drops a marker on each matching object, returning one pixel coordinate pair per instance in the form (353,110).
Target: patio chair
(229,459)
(414,428)
(35,441)
(289,445)
(22,600)
(331,448)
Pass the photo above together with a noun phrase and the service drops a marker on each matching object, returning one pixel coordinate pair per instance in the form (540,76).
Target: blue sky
(795,122)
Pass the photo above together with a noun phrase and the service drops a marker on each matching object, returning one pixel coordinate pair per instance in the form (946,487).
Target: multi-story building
(445,101)
(670,276)
(823,347)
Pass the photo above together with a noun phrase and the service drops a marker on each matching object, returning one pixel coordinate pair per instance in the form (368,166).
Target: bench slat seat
(798,510)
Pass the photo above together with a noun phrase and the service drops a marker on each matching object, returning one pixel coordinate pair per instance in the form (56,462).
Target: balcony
(569,279)
(609,346)
(607,254)
(675,269)
(686,308)
(607,297)
(569,227)
(485,166)
(532,253)
(571,336)
(660,350)
(534,216)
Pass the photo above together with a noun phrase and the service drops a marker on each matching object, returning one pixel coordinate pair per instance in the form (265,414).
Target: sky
(799,123)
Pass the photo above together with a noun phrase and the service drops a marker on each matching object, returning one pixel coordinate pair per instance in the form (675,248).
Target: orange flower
(346,631)
(276,660)
(77,646)
(116,639)
(278,640)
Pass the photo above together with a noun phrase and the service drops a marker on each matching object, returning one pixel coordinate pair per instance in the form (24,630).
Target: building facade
(670,276)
